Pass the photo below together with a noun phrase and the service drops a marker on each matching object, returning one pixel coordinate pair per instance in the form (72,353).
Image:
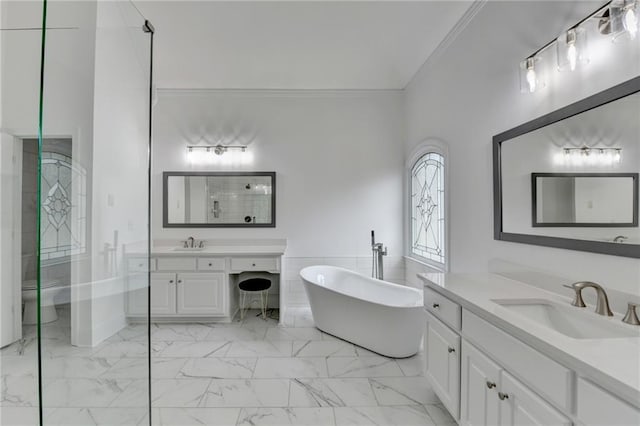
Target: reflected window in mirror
(427,209)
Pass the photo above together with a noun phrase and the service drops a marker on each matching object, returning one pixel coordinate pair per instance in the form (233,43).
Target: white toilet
(48,290)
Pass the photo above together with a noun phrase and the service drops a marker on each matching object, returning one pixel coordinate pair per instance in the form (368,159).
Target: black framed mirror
(219,199)
(584,200)
(597,137)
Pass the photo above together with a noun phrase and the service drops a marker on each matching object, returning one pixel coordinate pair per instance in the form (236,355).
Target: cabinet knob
(253,264)
(490,385)
(210,264)
(179,281)
(503,396)
(170,281)
(450,349)
(436,305)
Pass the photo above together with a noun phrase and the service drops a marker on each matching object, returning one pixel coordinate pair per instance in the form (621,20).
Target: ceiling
(295,44)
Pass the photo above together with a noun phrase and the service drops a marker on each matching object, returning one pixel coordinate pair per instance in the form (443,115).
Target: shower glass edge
(93,205)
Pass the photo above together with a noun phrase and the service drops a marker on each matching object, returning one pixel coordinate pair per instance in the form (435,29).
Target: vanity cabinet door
(163,294)
(520,406)
(479,388)
(443,363)
(201,294)
(137,294)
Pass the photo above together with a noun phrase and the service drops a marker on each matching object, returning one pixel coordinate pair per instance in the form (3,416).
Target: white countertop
(220,250)
(237,247)
(612,363)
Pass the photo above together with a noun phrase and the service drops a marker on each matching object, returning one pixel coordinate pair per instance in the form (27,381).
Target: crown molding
(451,36)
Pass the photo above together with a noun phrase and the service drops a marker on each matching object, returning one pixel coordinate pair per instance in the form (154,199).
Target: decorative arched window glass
(64,222)
(428,208)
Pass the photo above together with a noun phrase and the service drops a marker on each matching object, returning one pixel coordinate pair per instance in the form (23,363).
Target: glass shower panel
(94,210)
(20,42)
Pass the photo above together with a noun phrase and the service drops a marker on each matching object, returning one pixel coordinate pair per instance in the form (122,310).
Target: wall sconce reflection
(590,156)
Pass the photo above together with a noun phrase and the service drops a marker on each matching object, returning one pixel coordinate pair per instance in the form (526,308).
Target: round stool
(251,287)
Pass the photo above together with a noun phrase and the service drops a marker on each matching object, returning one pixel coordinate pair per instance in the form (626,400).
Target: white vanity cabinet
(163,293)
(479,386)
(520,406)
(201,294)
(491,396)
(597,407)
(472,365)
(443,363)
(190,286)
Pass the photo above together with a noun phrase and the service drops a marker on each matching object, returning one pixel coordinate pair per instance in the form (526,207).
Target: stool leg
(243,296)
(264,304)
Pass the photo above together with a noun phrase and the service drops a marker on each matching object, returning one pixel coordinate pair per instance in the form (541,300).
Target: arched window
(427,208)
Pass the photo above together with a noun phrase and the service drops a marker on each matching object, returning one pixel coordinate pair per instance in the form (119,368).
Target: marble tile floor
(250,372)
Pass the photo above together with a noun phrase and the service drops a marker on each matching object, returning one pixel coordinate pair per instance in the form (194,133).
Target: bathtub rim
(419,300)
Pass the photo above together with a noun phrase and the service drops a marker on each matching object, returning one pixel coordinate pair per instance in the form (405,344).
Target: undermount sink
(577,323)
(188,249)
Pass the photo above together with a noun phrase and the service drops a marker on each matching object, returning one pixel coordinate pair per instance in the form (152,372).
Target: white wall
(120,152)
(471,92)
(338,158)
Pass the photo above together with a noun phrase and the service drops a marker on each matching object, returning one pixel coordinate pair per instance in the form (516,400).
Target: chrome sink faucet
(602,303)
(190,242)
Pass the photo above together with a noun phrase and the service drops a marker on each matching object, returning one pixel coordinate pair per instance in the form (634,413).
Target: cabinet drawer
(444,309)
(254,264)
(545,376)
(598,407)
(211,264)
(176,264)
(139,264)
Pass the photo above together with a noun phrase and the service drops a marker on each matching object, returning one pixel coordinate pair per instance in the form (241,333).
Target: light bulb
(630,22)
(531,79)
(617,156)
(572,56)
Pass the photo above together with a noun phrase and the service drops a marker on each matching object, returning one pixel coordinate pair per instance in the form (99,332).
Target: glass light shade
(531,75)
(572,49)
(625,19)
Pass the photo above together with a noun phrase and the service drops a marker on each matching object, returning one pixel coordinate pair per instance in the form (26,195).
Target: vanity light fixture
(216,149)
(210,153)
(592,156)
(618,18)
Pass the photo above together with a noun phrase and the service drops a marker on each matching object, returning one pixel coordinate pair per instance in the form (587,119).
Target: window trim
(427,146)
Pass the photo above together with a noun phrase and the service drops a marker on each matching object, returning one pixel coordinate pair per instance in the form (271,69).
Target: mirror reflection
(573,176)
(581,200)
(219,199)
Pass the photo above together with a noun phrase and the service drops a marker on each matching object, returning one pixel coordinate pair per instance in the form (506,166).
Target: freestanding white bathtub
(380,316)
